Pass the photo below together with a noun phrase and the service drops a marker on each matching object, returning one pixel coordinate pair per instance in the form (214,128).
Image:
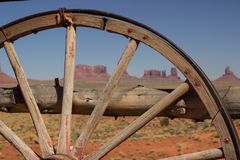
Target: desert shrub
(1,146)
(164,121)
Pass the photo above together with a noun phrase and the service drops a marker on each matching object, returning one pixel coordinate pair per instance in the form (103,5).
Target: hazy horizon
(167,71)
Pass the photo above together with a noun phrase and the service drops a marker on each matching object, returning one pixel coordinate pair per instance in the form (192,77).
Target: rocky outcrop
(152,74)
(99,72)
(228,71)
(174,74)
(100,69)
(83,71)
(228,75)
(86,69)
(5,79)
(158,74)
(164,74)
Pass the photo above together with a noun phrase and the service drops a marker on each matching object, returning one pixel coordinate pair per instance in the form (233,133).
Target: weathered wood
(104,99)
(203,155)
(163,47)
(43,136)
(43,22)
(59,157)
(198,81)
(81,19)
(65,127)
(140,121)
(225,140)
(127,100)
(28,26)
(13,139)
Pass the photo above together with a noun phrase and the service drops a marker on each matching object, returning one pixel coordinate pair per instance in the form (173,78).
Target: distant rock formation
(164,74)
(83,71)
(228,75)
(99,72)
(228,71)
(174,74)
(152,74)
(4,78)
(157,74)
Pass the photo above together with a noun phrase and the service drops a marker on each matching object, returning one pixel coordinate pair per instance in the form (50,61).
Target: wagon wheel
(137,33)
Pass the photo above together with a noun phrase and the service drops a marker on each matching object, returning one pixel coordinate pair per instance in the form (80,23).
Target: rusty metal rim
(210,86)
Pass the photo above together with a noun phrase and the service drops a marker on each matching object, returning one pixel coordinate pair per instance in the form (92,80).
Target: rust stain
(79,150)
(130,30)
(72,50)
(72,47)
(67,134)
(197,83)
(50,143)
(145,37)
(186,72)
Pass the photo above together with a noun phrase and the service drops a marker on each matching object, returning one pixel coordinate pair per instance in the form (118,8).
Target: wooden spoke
(206,155)
(140,121)
(65,130)
(103,101)
(43,136)
(13,139)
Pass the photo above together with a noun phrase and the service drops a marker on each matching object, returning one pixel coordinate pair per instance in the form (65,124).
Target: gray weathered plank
(140,122)
(202,155)
(104,99)
(197,80)
(65,127)
(13,139)
(127,101)
(43,136)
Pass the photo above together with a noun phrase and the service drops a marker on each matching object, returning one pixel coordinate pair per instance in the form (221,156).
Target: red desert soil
(156,140)
(139,149)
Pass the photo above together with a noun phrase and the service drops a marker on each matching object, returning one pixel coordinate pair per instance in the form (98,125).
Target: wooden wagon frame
(196,83)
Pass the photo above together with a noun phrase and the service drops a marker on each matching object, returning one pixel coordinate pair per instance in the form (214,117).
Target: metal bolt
(226,140)
(4,109)
(197,83)
(186,72)
(45,111)
(87,99)
(181,111)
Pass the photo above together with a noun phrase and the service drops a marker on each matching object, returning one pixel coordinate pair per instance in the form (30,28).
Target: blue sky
(208,30)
